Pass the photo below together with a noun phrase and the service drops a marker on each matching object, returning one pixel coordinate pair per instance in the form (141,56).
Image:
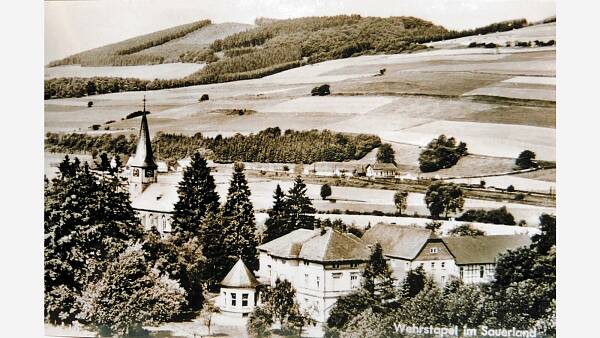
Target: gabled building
(471,259)
(381,170)
(321,265)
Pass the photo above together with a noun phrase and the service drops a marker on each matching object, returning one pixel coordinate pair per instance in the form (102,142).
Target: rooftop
(312,245)
(157,197)
(400,241)
(240,277)
(384,166)
(483,249)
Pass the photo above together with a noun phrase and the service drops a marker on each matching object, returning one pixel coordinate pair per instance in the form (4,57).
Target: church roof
(312,245)
(143,152)
(240,277)
(159,197)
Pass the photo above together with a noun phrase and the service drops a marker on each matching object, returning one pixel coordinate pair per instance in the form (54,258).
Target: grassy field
(147,72)
(418,98)
(543,32)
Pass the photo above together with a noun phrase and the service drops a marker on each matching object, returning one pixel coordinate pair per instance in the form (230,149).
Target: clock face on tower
(149,173)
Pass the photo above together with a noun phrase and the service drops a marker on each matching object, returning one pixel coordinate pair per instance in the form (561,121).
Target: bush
(95,127)
(321,90)
(495,216)
(510,188)
(135,114)
(204,97)
(90,104)
(519,197)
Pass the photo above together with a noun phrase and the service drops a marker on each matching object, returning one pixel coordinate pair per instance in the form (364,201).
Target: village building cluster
(322,264)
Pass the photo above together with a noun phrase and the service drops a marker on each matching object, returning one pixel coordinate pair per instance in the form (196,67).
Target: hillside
(270,47)
(164,46)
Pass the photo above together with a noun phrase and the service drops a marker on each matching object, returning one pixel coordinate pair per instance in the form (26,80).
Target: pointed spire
(143,152)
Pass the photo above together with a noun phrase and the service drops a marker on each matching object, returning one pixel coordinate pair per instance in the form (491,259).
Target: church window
(149,173)
(136,172)
(244,299)
(233,299)
(164,223)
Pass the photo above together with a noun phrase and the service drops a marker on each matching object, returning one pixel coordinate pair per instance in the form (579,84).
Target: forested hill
(272,46)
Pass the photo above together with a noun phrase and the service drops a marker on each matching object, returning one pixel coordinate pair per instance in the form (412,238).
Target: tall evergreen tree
(377,276)
(197,197)
(218,262)
(240,225)
(275,225)
(298,206)
(88,222)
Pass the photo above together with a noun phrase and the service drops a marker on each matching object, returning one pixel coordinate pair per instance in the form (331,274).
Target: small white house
(238,291)
(381,170)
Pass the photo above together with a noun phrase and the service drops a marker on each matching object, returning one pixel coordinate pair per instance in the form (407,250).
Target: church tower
(143,167)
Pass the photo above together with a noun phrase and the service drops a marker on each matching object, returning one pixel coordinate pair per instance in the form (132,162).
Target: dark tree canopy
(444,198)
(385,154)
(466,230)
(240,225)
(494,216)
(441,153)
(88,221)
(276,224)
(325,191)
(197,197)
(299,207)
(526,159)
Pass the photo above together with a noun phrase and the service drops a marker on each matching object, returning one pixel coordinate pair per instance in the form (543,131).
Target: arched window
(136,172)
(164,223)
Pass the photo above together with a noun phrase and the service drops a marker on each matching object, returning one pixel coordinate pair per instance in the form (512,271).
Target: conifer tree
(240,225)
(275,225)
(298,205)
(377,276)
(217,260)
(197,197)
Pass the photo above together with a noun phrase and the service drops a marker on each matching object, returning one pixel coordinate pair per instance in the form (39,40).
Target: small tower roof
(143,152)
(240,277)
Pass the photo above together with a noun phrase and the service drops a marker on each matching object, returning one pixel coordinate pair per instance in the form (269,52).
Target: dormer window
(433,250)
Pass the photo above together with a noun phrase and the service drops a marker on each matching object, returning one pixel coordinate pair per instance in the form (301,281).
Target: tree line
(269,145)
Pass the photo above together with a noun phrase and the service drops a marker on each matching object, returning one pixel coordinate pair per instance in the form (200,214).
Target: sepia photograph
(279,168)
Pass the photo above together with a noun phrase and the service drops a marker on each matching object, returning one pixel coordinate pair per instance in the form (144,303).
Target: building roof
(312,245)
(384,166)
(396,240)
(240,277)
(483,249)
(143,152)
(159,197)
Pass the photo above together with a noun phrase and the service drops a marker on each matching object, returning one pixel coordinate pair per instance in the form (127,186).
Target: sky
(76,25)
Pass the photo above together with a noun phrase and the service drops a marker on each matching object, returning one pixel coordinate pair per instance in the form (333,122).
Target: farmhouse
(471,259)
(381,170)
(322,265)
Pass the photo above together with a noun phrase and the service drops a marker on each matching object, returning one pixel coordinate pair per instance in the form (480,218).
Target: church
(152,198)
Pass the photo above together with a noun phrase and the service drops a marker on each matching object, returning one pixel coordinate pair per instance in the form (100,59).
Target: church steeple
(143,152)
(143,167)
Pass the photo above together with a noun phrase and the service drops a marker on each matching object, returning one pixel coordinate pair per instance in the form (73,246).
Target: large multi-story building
(471,259)
(322,265)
